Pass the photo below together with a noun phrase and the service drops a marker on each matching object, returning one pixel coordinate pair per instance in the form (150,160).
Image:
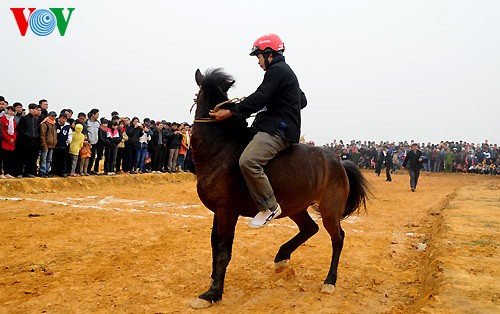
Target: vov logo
(42,22)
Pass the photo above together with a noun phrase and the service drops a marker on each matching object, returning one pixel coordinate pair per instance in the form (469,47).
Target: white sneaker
(264,218)
(2,176)
(8,176)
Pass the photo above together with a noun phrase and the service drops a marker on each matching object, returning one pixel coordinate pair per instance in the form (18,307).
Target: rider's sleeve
(258,100)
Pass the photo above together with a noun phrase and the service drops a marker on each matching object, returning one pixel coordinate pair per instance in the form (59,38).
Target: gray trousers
(173,154)
(262,148)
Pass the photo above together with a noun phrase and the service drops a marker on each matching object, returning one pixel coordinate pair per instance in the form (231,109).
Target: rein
(216,108)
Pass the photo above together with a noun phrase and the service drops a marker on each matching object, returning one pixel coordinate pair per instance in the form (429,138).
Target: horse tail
(359,189)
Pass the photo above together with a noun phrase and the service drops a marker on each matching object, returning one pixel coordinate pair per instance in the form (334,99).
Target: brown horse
(300,176)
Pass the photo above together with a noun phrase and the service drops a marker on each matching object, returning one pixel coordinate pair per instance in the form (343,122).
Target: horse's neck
(213,145)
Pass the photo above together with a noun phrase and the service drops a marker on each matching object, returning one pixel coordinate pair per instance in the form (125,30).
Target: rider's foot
(264,218)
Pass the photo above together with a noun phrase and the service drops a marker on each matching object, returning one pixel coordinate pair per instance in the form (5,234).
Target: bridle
(216,108)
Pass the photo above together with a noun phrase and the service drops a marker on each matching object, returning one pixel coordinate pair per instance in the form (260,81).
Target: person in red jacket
(9,135)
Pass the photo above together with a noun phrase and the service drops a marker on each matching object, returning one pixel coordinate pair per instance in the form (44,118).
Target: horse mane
(218,75)
(214,87)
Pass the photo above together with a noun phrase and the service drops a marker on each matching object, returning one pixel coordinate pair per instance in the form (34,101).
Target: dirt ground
(141,244)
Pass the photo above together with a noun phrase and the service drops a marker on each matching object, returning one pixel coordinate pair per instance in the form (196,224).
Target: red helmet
(267,42)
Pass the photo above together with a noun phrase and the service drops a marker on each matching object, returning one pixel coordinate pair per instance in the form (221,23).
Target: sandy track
(142,244)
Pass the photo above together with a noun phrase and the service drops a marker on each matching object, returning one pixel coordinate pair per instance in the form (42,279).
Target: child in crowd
(75,146)
(114,137)
(85,153)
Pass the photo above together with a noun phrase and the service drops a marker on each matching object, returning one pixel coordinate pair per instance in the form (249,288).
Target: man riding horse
(278,101)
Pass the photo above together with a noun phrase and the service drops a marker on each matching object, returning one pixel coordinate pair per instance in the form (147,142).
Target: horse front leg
(215,245)
(222,245)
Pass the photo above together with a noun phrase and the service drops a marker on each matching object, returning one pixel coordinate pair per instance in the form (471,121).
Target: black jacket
(388,159)
(278,101)
(412,160)
(103,138)
(28,128)
(134,134)
(156,136)
(174,140)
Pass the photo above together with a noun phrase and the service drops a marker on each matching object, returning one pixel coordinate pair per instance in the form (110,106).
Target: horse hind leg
(331,221)
(307,228)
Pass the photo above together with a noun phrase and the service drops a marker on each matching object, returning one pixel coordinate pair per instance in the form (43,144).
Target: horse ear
(198,77)
(226,86)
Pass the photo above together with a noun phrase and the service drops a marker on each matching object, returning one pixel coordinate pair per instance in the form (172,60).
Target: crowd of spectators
(445,156)
(44,143)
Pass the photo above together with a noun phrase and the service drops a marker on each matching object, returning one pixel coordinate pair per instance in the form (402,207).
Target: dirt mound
(53,185)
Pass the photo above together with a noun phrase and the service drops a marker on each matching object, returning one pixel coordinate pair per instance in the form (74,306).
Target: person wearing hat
(413,162)
(278,126)
(48,140)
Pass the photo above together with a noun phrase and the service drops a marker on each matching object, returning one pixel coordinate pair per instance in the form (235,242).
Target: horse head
(213,85)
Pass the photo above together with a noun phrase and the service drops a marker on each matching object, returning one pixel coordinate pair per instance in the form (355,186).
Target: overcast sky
(372,70)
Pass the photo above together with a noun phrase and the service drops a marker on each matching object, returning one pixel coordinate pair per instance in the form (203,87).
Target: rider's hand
(221,114)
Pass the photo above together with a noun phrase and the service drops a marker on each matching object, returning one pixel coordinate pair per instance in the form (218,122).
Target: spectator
(345,155)
(427,162)
(448,160)
(84,155)
(438,160)
(8,142)
(48,140)
(3,105)
(120,161)
(18,111)
(64,137)
(44,106)
(182,152)
(75,146)
(134,133)
(114,135)
(159,143)
(395,162)
(143,148)
(102,144)
(93,136)
(175,140)
(27,142)
(69,113)
(82,119)
(494,154)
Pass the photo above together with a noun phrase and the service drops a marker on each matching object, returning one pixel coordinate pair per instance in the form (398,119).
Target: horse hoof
(280,266)
(327,288)
(200,304)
